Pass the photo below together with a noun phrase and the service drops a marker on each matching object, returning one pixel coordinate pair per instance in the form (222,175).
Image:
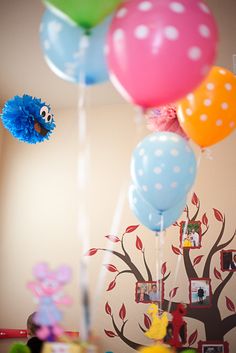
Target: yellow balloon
(208,114)
(157,349)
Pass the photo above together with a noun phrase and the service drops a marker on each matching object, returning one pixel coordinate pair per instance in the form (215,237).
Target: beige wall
(39,218)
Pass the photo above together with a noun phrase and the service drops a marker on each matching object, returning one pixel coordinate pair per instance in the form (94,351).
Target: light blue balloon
(148,216)
(163,167)
(61,43)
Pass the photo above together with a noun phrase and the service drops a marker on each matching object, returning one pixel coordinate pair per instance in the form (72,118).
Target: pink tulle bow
(165,119)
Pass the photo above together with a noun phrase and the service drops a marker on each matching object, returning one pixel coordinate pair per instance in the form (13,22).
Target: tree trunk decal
(208,315)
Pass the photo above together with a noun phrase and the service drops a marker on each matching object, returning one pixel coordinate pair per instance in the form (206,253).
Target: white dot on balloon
(174,152)
(173,185)
(163,138)
(203,7)
(189,112)
(175,139)
(158,186)
(141,32)
(228,86)
(171,32)
(140,172)
(118,34)
(207,102)
(219,122)
(158,153)
(177,7)
(203,117)
(190,96)
(176,169)
(224,106)
(204,31)
(141,152)
(194,53)
(210,86)
(145,6)
(145,188)
(157,170)
(153,138)
(135,200)
(231,124)
(46,44)
(121,12)
(222,72)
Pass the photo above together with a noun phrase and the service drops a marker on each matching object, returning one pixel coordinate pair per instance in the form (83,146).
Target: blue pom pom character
(28,119)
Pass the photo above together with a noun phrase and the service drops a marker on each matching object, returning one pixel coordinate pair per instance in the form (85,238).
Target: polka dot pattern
(213,108)
(154,27)
(166,171)
(118,34)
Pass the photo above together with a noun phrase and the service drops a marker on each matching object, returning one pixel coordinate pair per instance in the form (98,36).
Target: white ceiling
(23,69)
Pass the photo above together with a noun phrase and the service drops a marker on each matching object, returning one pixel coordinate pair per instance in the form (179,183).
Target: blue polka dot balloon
(28,119)
(163,167)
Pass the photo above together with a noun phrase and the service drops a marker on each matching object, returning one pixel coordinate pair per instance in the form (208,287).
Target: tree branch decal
(206,316)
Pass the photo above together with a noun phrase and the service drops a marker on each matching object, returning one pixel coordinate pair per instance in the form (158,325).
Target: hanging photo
(228,260)
(190,235)
(149,292)
(213,347)
(200,292)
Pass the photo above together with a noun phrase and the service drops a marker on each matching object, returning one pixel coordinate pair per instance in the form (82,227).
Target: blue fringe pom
(28,119)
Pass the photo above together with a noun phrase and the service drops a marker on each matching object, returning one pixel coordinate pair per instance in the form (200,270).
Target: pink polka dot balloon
(158,51)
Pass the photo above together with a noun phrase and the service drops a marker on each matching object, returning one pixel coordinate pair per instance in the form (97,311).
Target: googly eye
(48,118)
(44,111)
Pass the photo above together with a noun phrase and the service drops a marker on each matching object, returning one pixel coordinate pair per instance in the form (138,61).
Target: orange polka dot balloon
(208,114)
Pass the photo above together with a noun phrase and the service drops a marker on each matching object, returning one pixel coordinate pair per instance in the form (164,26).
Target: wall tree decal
(207,315)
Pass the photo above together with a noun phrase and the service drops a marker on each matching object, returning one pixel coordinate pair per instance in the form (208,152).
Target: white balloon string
(189,197)
(83,226)
(157,246)
(115,228)
(161,243)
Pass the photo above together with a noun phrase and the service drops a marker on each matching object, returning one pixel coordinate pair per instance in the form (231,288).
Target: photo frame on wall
(149,292)
(200,294)
(228,260)
(213,347)
(190,235)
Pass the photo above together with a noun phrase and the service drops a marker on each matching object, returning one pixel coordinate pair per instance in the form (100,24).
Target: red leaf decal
(205,220)
(197,260)
(111,268)
(173,292)
(131,229)
(176,250)
(147,321)
(139,244)
(195,199)
(110,333)
(218,215)
(122,312)
(111,285)
(163,269)
(108,308)
(192,338)
(217,274)
(176,224)
(91,252)
(113,238)
(230,304)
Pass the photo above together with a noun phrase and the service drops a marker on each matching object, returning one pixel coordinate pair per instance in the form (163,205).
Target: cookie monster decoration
(28,119)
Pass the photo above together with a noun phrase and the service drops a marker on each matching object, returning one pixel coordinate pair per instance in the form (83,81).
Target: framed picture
(190,235)
(228,260)
(200,292)
(149,292)
(213,347)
